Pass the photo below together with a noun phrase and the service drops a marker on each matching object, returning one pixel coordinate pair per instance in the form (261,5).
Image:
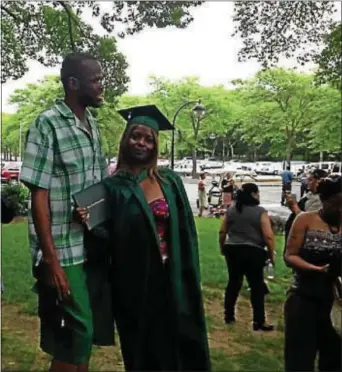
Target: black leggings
(244,260)
(308,332)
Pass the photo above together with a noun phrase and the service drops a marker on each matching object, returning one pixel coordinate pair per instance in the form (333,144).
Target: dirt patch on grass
(233,340)
(25,329)
(19,219)
(223,336)
(233,335)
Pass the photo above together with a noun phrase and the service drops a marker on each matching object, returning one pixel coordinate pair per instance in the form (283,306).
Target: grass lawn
(233,348)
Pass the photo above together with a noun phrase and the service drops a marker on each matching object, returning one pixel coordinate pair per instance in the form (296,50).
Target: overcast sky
(205,49)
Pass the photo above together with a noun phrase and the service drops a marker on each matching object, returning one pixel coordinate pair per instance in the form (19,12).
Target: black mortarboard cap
(148,115)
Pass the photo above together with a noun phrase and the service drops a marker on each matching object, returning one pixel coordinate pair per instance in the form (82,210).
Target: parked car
(10,172)
(268,168)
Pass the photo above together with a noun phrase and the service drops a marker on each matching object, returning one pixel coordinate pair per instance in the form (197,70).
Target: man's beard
(88,101)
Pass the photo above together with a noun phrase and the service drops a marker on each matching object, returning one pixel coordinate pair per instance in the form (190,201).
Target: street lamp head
(199,111)
(212,136)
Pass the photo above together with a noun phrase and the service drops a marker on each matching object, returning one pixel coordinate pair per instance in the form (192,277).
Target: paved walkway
(269,197)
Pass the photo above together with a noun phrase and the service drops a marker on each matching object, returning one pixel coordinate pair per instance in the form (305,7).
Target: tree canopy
(297,29)
(330,60)
(277,114)
(286,110)
(46,31)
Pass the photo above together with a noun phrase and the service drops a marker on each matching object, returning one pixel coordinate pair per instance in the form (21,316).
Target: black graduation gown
(158,309)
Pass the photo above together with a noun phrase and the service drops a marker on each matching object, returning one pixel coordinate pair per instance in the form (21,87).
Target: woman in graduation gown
(154,255)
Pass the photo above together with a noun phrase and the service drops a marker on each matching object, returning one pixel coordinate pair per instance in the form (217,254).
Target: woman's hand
(290,201)
(322,269)
(271,257)
(81,215)
(222,250)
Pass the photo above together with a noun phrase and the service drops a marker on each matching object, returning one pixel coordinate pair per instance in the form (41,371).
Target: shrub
(17,196)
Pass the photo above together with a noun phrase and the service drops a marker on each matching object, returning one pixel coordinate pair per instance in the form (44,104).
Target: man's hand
(81,215)
(56,277)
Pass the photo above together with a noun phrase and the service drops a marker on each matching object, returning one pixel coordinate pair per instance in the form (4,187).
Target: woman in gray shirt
(249,230)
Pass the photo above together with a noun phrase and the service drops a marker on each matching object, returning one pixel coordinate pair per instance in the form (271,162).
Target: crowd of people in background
(313,249)
(139,270)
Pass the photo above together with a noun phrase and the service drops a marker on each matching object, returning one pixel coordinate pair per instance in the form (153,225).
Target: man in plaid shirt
(63,156)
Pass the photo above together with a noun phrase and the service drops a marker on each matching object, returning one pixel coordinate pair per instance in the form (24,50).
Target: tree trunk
(321,155)
(194,162)
(306,155)
(289,152)
(232,151)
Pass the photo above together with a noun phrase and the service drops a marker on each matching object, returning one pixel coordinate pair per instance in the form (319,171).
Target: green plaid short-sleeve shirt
(60,156)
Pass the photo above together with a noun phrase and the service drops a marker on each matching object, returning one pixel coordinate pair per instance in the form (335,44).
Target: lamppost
(20,141)
(212,137)
(198,111)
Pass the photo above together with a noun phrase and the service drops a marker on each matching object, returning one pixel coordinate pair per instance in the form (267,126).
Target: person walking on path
(287,178)
(228,187)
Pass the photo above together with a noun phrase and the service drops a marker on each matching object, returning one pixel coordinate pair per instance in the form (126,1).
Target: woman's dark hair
(329,186)
(244,196)
(318,174)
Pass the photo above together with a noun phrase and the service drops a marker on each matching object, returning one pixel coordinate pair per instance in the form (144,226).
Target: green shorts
(67,329)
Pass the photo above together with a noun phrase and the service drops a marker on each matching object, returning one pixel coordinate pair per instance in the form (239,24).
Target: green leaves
(330,60)
(290,29)
(277,112)
(286,110)
(47,31)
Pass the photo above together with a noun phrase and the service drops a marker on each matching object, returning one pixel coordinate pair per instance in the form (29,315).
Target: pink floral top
(160,209)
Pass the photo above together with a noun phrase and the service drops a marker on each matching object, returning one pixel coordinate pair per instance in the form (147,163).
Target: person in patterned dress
(314,251)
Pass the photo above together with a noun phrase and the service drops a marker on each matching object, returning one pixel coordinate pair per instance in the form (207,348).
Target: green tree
(7,144)
(292,28)
(192,133)
(281,108)
(325,134)
(30,102)
(330,60)
(46,31)
(297,29)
